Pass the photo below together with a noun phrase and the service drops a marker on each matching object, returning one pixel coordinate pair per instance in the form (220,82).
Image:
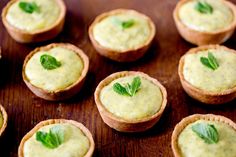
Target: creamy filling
(76,144)
(110,34)
(200,76)
(221,17)
(48,14)
(192,145)
(1,120)
(57,79)
(146,102)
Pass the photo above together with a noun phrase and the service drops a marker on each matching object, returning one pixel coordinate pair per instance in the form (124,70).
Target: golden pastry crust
(120,124)
(199,94)
(191,119)
(5,119)
(128,55)
(204,38)
(58,121)
(22,36)
(64,93)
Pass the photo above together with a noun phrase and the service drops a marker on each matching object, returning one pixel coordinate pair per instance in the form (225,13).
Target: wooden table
(25,109)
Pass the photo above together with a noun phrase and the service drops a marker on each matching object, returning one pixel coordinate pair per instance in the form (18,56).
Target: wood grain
(25,109)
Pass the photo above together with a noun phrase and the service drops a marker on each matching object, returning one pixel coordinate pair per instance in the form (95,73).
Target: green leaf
(206,132)
(29,7)
(123,24)
(204,7)
(128,89)
(127,24)
(51,140)
(210,61)
(49,62)
(118,88)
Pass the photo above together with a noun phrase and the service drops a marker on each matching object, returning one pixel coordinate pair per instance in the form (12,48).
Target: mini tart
(123,124)
(80,126)
(179,128)
(40,35)
(68,91)
(128,54)
(204,37)
(208,97)
(3,115)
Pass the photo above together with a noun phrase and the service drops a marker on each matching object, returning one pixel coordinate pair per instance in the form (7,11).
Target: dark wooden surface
(25,109)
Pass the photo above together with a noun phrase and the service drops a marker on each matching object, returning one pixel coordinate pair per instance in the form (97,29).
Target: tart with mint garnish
(3,120)
(55,71)
(30,21)
(204,135)
(122,35)
(203,22)
(208,74)
(130,101)
(58,138)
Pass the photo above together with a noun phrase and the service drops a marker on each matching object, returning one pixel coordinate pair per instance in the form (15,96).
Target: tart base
(123,125)
(127,55)
(206,97)
(190,119)
(58,121)
(22,36)
(60,94)
(204,38)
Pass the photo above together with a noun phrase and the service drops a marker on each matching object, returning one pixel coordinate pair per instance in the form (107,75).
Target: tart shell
(58,121)
(123,125)
(206,97)
(191,119)
(23,36)
(5,119)
(204,38)
(68,91)
(128,55)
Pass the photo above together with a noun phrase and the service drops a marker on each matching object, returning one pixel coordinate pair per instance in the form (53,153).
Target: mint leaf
(210,61)
(29,7)
(206,132)
(49,62)
(128,89)
(51,140)
(204,7)
(127,24)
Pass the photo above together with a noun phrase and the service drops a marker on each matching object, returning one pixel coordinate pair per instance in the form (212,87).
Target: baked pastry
(3,120)
(34,20)
(130,101)
(122,35)
(204,135)
(207,74)
(56,71)
(205,22)
(57,137)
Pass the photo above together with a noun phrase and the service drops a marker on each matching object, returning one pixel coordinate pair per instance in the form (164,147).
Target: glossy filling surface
(110,33)
(75,144)
(57,79)
(48,14)
(192,145)
(221,17)
(146,102)
(202,77)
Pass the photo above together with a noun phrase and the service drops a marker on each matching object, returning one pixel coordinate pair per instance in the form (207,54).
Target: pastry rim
(117,75)
(41,124)
(231,26)
(55,24)
(5,119)
(69,46)
(196,89)
(191,119)
(120,11)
